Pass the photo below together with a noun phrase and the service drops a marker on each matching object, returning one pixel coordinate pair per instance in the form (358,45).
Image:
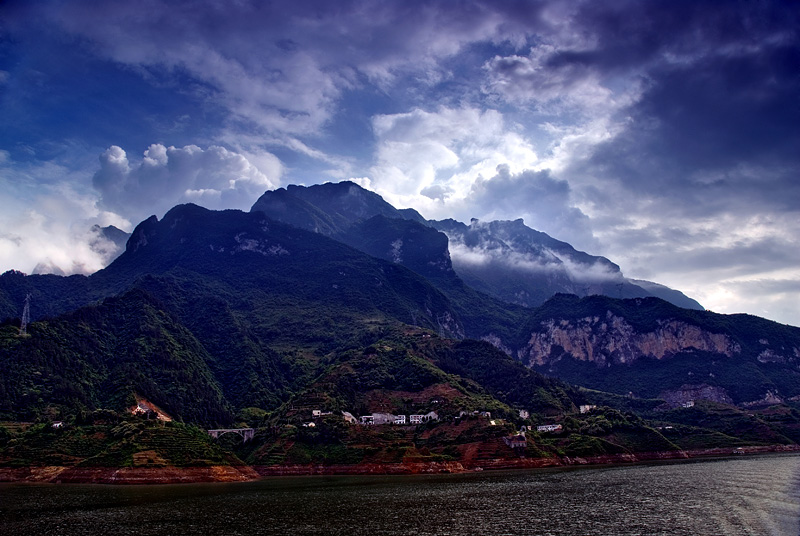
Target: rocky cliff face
(612,340)
(648,348)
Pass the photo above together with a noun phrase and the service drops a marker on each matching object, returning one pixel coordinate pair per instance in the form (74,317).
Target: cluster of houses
(554,428)
(318,413)
(376,418)
(389,418)
(486,414)
(373,419)
(519,441)
(549,428)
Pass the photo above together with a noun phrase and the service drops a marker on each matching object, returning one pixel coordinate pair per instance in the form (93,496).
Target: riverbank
(739,496)
(129,475)
(228,473)
(510,463)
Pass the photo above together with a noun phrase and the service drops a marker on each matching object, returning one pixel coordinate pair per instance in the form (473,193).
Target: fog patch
(544,261)
(60,234)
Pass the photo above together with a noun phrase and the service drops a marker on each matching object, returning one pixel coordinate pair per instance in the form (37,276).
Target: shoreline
(129,475)
(245,473)
(412,468)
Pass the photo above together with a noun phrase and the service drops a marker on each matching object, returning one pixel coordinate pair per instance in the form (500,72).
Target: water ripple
(757,495)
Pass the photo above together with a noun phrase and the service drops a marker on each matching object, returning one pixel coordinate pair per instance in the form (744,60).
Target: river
(747,495)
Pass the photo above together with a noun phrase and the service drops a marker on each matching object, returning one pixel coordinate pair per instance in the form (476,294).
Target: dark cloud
(628,33)
(768,287)
(719,125)
(543,201)
(663,132)
(696,183)
(717,120)
(737,259)
(542,78)
(284,66)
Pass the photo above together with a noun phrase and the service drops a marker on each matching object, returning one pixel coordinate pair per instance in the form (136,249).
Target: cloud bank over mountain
(215,178)
(661,134)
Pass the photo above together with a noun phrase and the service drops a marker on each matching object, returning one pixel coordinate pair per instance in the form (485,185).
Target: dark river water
(758,495)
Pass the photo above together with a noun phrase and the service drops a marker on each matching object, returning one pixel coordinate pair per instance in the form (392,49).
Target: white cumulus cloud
(215,178)
(49,229)
(48,210)
(466,162)
(431,159)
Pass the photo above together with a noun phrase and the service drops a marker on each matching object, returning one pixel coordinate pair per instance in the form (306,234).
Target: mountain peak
(504,258)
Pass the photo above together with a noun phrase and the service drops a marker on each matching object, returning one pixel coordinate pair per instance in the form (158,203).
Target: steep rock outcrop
(611,339)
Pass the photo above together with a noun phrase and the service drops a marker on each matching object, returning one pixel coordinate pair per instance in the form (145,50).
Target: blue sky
(661,134)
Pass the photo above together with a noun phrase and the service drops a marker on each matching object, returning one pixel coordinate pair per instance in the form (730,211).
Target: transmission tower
(26,316)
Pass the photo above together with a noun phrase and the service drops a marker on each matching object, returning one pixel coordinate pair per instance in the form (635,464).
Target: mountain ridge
(233,318)
(505,259)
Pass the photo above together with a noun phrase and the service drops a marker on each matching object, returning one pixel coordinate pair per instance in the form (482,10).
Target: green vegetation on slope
(109,439)
(99,356)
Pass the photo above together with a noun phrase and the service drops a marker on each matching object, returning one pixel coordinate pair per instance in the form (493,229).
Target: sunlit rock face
(612,340)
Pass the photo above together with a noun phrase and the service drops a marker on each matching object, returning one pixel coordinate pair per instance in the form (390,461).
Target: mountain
(362,219)
(116,236)
(673,296)
(505,259)
(230,318)
(600,342)
(517,264)
(649,348)
(246,254)
(329,208)
(266,301)
(99,356)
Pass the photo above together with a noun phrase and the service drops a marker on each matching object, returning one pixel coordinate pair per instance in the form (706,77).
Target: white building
(420,418)
(379,418)
(549,428)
